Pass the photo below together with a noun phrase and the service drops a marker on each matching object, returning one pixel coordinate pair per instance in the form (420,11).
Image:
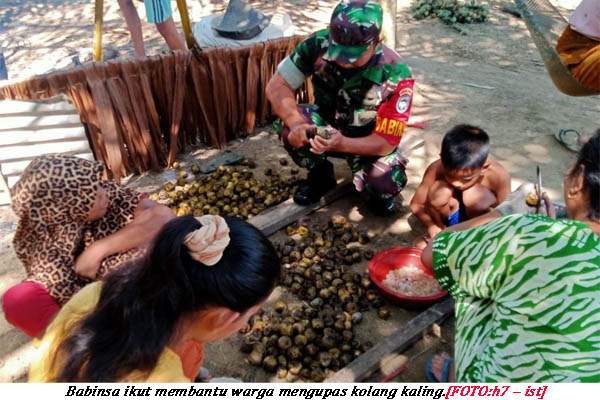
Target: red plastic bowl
(396,258)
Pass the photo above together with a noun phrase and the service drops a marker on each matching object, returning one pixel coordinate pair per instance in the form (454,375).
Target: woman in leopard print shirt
(74,227)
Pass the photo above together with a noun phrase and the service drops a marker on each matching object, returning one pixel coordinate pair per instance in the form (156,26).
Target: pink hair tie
(207,244)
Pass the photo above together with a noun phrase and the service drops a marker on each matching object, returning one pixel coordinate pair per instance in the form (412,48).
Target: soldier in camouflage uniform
(353,73)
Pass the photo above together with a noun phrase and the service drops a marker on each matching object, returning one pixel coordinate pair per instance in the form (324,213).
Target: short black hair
(465,147)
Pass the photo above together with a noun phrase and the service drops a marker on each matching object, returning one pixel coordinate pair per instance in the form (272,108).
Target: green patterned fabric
(348,98)
(527,292)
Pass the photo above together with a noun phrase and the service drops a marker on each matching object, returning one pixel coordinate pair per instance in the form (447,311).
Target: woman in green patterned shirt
(526,287)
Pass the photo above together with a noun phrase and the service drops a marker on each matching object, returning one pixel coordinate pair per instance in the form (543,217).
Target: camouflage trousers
(379,176)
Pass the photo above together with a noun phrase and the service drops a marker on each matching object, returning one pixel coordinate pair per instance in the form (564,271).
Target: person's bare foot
(437,366)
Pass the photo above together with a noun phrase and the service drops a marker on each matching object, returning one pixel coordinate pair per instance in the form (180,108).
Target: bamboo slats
(138,114)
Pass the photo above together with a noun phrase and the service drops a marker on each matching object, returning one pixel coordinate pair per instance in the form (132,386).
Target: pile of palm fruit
(451,12)
(314,339)
(230,191)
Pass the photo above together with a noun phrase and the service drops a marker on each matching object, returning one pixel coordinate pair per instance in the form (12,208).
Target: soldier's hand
(319,145)
(297,136)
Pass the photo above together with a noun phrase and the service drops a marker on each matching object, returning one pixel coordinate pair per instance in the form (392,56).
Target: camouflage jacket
(347,98)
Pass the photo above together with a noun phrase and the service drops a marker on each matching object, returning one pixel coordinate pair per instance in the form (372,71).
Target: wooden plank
(42,135)
(26,151)
(11,168)
(32,128)
(4,198)
(12,180)
(39,129)
(287,212)
(58,103)
(9,122)
(371,361)
(5,191)
(67,111)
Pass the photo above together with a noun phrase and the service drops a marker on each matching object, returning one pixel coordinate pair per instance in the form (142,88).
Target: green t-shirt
(527,291)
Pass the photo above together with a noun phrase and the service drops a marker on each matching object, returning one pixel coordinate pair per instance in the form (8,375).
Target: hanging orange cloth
(582,55)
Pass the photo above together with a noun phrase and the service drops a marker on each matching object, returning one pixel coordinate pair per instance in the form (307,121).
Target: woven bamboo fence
(138,114)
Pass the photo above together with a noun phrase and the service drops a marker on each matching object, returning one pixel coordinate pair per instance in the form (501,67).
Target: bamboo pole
(99,11)
(389,23)
(185,22)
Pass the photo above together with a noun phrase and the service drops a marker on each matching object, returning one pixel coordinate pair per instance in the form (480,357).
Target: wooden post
(99,11)
(185,22)
(388,29)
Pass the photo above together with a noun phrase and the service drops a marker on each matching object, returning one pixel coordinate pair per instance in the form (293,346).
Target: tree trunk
(389,22)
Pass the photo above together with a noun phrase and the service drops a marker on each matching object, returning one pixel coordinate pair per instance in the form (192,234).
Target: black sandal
(569,138)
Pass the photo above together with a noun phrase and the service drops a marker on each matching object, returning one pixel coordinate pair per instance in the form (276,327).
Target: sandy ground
(521,111)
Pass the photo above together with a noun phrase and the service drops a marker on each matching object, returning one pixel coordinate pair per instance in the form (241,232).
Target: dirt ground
(520,109)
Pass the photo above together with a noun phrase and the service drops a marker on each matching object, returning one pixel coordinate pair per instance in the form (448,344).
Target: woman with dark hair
(526,286)
(74,227)
(201,281)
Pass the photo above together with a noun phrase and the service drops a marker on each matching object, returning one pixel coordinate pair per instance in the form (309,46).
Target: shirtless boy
(461,185)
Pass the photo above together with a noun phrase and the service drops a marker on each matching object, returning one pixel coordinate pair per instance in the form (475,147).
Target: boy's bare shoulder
(498,169)
(496,173)
(494,164)
(434,170)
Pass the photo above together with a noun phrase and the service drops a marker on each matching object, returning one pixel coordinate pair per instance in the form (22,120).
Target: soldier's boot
(321,179)
(382,206)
